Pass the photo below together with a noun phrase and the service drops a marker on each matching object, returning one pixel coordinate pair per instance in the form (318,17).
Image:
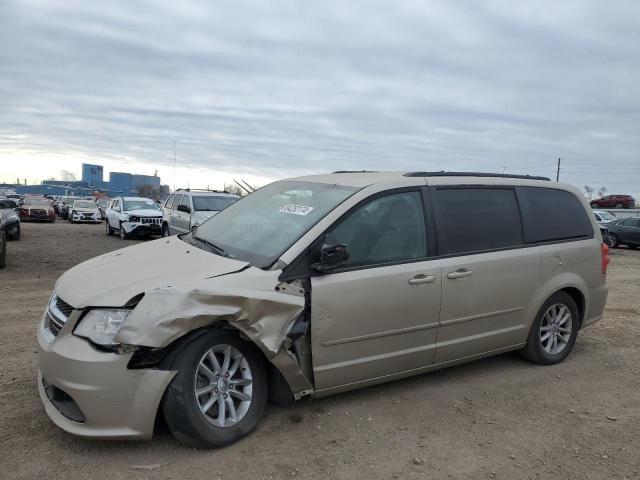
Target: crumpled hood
(112,279)
(144,212)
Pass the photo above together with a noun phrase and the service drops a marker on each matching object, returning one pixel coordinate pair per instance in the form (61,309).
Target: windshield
(102,202)
(84,204)
(607,216)
(211,203)
(260,227)
(38,202)
(140,205)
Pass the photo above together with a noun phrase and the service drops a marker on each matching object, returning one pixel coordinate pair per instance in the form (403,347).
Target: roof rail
(355,171)
(442,173)
(200,190)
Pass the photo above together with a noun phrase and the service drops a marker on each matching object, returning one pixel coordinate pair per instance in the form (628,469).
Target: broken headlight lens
(102,325)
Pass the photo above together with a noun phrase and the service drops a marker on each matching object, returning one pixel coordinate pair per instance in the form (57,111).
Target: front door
(378,314)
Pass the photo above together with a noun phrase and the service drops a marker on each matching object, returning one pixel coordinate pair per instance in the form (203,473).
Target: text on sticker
(294,209)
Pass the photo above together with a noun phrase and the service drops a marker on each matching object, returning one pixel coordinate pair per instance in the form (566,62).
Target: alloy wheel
(223,385)
(555,328)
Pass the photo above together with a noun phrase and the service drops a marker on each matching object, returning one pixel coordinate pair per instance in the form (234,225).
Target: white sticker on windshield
(294,209)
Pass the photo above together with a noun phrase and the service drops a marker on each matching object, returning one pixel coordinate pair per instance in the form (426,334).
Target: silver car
(313,286)
(184,210)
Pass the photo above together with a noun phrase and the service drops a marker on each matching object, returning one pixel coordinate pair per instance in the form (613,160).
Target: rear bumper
(93,394)
(80,219)
(597,302)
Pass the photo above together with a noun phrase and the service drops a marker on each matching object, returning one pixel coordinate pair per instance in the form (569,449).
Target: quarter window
(478,219)
(176,201)
(169,201)
(384,230)
(185,201)
(557,215)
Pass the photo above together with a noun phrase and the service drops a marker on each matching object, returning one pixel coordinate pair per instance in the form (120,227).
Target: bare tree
(146,191)
(235,189)
(602,192)
(588,190)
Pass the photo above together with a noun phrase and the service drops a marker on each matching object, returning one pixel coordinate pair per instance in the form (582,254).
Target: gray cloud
(288,87)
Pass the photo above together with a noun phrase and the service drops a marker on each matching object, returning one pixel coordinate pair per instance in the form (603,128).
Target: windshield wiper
(221,251)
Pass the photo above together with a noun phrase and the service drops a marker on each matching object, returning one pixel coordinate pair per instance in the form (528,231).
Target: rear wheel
(219,394)
(619,205)
(554,331)
(16,235)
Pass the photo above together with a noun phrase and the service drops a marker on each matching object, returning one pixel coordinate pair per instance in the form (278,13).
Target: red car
(37,209)
(614,201)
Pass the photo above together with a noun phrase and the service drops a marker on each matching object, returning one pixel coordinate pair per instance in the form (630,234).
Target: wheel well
(577,297)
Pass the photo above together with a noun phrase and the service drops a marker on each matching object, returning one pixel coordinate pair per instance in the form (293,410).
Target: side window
(169,201)
(557,214)
(384,230)
(631,222)
(176,201)
(478,219)
(186,200)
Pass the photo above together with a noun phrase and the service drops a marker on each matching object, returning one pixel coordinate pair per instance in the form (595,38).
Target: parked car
(313,286)
(186,209)
(37,209)
(133,216)
(614,201)
(3,244)
(625,231)
(84,211)
(9,215)
(603,217)
(102,206)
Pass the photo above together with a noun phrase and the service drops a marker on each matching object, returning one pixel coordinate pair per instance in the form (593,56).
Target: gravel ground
(495,418)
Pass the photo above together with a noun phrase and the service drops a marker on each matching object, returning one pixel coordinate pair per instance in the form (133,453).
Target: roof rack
(442,173)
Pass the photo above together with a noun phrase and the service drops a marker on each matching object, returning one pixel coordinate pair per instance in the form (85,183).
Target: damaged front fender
(246,300)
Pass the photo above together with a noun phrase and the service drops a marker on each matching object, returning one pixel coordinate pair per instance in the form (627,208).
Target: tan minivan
(317,285)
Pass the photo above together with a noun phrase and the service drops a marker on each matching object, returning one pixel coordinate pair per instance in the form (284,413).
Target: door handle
(422,278)
(462,273)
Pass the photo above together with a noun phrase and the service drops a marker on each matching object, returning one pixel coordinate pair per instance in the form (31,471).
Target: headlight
(12,216)
(102,325)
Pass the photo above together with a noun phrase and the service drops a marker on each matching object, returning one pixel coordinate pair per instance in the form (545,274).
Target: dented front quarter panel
(246,300)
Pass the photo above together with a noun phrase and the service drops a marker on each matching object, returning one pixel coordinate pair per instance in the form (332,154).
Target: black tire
(165,231)
(534,350)
(108,228)
(614,241)
(632,247)
(181,410)
(123,234)
(594,205)
(16,236)
(3,249)
(619,205)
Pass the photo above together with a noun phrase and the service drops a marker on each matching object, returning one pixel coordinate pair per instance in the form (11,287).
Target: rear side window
(478,219)
(176,201)
(557,215)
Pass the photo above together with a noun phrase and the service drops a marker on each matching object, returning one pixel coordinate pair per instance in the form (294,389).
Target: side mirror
(331,256)
(184,208)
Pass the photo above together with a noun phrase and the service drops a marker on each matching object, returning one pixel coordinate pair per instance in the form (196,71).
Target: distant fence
(622,212)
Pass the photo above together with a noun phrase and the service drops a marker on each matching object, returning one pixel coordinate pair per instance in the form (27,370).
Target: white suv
(186,209)
(133,216)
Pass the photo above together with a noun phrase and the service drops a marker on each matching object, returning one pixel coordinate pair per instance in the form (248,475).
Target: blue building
(93,175)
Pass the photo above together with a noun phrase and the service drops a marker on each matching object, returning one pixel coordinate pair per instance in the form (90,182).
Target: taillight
(604,251)
(24,211)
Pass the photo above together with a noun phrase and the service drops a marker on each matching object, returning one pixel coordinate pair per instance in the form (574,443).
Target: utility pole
(558,172)
(174,165)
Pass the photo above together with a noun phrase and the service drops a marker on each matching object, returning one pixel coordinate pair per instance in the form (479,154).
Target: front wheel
(16,235)
(165,230)
(554,331)
(219,394)
(123,234)
(3,249)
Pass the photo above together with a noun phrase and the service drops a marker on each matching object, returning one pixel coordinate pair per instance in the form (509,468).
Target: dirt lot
(495,418)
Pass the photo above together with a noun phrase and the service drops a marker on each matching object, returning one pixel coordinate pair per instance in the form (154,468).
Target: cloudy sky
(264,90)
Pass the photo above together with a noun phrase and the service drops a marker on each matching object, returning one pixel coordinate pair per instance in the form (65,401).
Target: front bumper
(135,228)
(78,217)
(116,403)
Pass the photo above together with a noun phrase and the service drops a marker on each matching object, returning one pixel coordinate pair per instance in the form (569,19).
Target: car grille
(150,221)
(38,212)
(57,315)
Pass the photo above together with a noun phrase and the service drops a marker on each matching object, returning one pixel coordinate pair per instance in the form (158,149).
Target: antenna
(248,186)
(242,186)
